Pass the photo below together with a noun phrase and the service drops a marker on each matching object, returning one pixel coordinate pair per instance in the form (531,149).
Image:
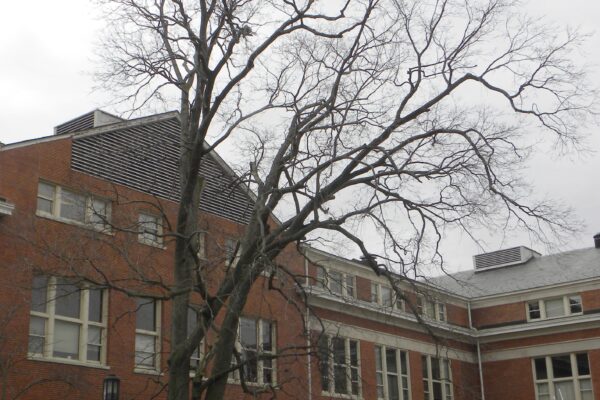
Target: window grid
(437,378)
(555,307)
(44,319)
(69,206)
(339,366)
(150,229)
(147,341)
(386,296)
(336,282)
(576,386)
(431,309)
(392,373)
(260,343)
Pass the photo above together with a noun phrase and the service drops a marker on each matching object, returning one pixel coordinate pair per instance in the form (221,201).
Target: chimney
(597,240)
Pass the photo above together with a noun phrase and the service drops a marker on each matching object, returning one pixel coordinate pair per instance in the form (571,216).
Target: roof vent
(86,121)
(503,258)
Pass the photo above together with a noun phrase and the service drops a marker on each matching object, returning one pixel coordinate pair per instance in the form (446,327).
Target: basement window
(554,307)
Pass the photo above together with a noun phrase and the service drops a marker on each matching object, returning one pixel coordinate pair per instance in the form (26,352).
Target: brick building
(518,326)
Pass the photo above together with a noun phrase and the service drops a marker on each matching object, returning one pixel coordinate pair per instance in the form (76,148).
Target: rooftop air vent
(90,120)
(6,208)
(503,258)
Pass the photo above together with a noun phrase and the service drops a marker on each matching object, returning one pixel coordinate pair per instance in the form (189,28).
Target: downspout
(478,352)
(308,343)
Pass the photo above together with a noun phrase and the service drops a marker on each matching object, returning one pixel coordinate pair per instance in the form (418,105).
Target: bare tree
(350,113)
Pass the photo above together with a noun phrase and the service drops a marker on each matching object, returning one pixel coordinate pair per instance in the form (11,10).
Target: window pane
(46,190)
(68,298)
(441,312)
(435,368)
(386,296)
(66,340)
(145,315)
(267,336)
(374,293)
(267,371)
(353,353)
(575,304)
(378,364)
(424,369)
(98,213)
(585,386)
(39,293)
(248,337)
(380,391)
(403,364)
(543,389)
(95,306)
(335,282)
(324,362)
(321,277)
(354,381)
(534,310)
(350,285)
(339,350)
(339,379)
(583,366)
(561,366)
(564,390)
(72,206)
(554,308)
(430,308)
(390,359)
(437,391)
(393,392)
(250,365)
(540,368)
(44,205)
(145,349)
(37,333)
(446,365)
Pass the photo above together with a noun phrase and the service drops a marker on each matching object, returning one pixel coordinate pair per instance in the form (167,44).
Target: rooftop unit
(503,258)
(89,120)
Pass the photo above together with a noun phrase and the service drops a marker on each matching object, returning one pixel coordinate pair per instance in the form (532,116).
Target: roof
(145,156)
(555,269)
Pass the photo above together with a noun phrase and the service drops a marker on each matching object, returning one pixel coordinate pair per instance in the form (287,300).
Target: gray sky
(46,65)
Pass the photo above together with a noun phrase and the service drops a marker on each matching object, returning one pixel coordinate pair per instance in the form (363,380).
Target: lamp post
(111,388)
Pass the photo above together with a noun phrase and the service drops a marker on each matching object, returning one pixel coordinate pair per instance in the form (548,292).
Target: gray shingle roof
(145,157)
(554,269)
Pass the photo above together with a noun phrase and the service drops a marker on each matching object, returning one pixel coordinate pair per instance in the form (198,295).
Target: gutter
(479,365)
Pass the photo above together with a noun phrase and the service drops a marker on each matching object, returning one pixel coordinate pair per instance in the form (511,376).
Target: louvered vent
(86,121)
(504,258)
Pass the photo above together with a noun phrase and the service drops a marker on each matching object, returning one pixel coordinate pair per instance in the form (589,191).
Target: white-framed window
(339,365)
(150,229)
(336,282)
(392,373)
(256,345)
(70,206)
(197,356)
(563,377)
(201,237)
(232,252)
(385,296)
(67,321)
(437,378)
(432,309)
(554,307)
(147,333)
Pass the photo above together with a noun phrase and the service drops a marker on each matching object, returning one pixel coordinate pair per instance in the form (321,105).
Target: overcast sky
(46,65)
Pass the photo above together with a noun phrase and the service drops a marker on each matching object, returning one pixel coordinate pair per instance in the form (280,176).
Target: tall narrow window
(374,293)
(437,378)
(257,343)
(232,252)
(339,365)
(391,369)
(563,377)
(67,320)
(147,333)
(196,357)
(335,282)
(150,228)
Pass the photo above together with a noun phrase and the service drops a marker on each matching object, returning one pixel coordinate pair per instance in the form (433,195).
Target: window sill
(340,395)
(90,227)
(67,361)
(147,371)
(554,318)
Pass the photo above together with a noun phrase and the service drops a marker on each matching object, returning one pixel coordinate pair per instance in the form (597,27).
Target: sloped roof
(145,156)
(554,269)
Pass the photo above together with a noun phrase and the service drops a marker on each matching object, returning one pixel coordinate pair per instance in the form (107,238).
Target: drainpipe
(478,352)
(308,344)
